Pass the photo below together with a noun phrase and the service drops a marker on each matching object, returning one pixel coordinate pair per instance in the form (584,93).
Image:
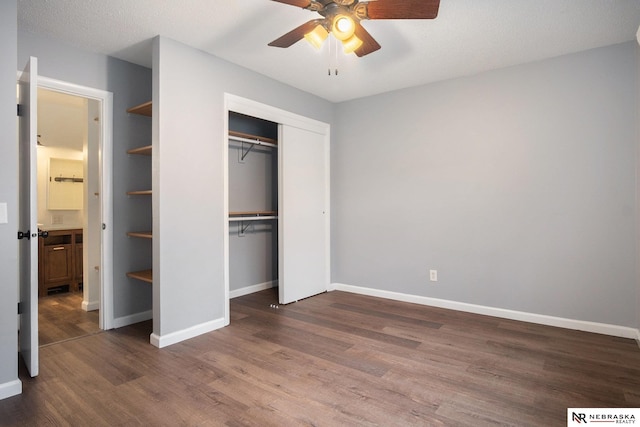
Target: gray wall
(8,193)
(517,185)
(130,85)
(189,87)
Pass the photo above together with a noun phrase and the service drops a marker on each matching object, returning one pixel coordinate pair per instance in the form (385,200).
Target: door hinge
(20,305)
(20,109)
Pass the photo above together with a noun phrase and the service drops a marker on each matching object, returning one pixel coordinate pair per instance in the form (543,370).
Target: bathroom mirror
(65,184)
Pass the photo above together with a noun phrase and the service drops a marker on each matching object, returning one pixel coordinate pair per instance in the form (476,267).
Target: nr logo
(579,418)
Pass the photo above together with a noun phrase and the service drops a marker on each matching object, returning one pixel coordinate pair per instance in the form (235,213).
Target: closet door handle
(59,248)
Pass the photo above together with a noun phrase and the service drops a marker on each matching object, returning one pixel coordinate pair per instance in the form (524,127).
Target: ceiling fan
(342,19)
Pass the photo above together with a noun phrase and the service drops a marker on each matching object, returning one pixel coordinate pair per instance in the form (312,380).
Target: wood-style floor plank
(334,359)
(60,318)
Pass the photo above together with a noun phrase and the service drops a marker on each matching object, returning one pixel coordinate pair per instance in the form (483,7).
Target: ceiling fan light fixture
(342,18)
(343,27)
(317,36)
(352,44)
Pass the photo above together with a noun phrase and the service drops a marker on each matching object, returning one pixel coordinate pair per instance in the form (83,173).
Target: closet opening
(253,204)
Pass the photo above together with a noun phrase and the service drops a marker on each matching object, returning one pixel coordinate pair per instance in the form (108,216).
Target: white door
(92,229)
(302,204)
(29,216)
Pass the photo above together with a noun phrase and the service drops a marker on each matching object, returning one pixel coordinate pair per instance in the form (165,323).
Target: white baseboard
(580,325)
(119,322)
(11,388)
(161,341)
(90,305)
(253,288)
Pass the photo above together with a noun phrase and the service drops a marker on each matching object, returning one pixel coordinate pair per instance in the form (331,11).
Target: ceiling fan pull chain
(335,48)
(333,60)
(329,58)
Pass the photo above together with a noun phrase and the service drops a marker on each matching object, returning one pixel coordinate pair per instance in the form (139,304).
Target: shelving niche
(146,110)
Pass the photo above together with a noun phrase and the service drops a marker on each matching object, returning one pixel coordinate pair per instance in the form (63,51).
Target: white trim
(542,319)
(327,205)
(11,388)
(638,337)
(267,112)
(119,322)
(252,289)
(161,341)
(225,207)
(106,320)
(90,305)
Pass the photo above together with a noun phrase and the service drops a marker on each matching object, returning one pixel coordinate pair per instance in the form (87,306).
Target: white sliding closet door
(302,212)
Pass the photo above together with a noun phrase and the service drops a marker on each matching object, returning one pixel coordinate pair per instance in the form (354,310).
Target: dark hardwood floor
(331,360)
(61,317)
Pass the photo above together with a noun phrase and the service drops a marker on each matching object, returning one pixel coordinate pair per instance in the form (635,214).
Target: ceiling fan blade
(403,9)
(369,44)
(296,34)
(300,3)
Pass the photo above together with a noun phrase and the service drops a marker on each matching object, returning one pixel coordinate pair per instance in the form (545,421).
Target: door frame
(105,177)
(282,117)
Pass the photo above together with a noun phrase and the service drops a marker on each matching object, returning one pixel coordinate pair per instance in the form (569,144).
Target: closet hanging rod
(252,141)
(252,136)
(253,213)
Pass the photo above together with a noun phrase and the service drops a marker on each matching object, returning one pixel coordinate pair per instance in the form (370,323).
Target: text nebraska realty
(604,418)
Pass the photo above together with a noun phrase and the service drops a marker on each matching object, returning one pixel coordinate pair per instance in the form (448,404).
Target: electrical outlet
(433,275)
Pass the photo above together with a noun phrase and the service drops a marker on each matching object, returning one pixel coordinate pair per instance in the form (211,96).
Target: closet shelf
(252,216)
(142,109)
(139,193)
(145,151)
(141,234)
(252,139)
(144,275)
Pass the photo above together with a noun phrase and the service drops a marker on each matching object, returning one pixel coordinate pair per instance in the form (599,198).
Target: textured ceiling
(467,37)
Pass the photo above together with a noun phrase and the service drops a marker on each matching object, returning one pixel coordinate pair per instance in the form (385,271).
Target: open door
(302,214)
(28,220)
(92,229)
